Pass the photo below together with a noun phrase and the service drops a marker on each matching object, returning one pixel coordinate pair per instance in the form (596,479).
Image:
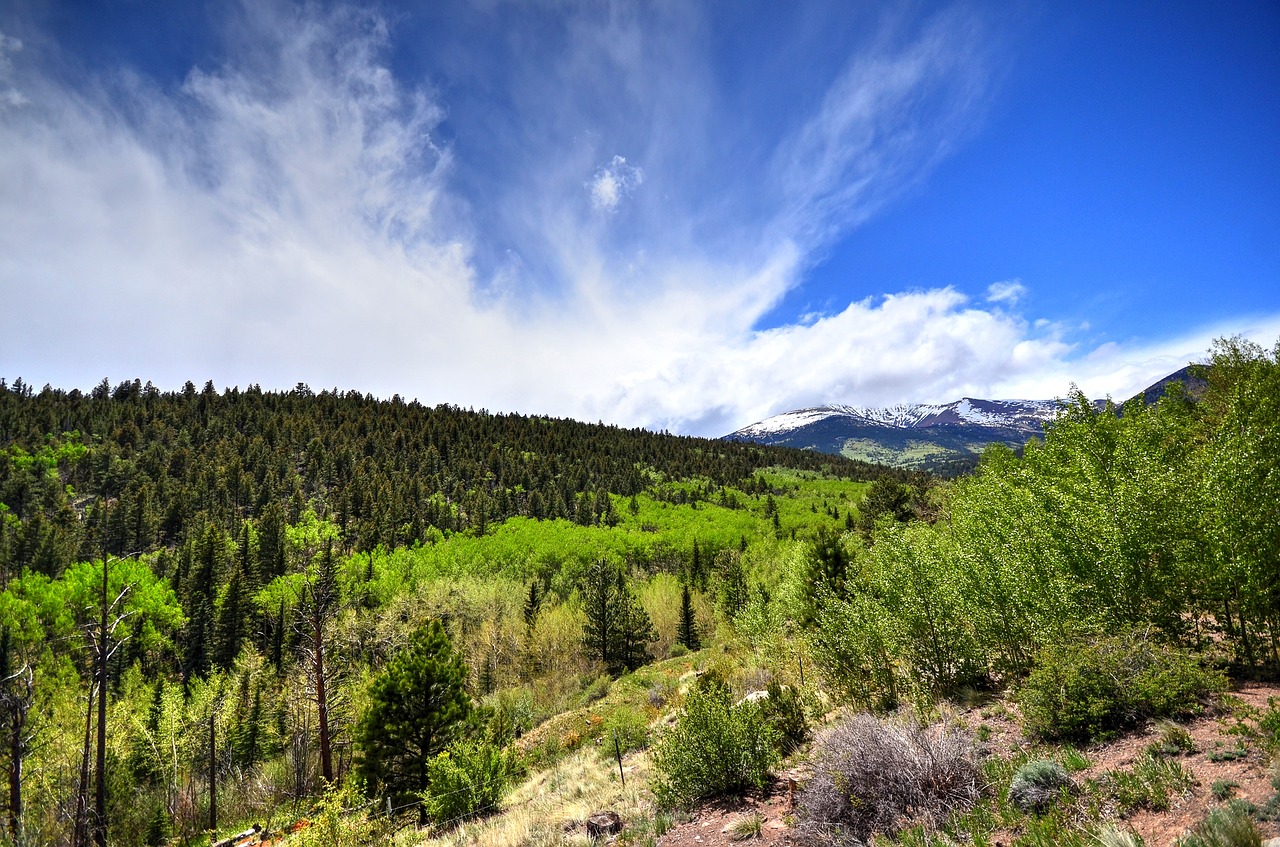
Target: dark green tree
(618,630)
(417,706)
(826,567)
(687,631)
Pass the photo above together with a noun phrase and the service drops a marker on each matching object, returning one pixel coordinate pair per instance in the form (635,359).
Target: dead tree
(17,691)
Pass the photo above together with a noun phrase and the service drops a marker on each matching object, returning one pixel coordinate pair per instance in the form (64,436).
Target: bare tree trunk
(322,700)
(19,703)
(213,778)
(79,835)
(100,800)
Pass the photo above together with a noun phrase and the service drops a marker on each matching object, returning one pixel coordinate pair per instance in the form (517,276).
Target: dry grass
(548,809)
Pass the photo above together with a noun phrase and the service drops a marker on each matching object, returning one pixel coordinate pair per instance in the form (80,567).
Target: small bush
(1073,760)
(1037,784)
(752,826)
(1234,754)
(631,728)
(1227,827)
(878,776)
(714,747)
(783,710)
(1222,789)
(1269,725)
(467,780)
(1097,689)
(1174,740)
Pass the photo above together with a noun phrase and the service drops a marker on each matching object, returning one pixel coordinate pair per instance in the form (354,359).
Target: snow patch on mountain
(1015,414)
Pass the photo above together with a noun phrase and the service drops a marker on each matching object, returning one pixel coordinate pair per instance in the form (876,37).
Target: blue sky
(677,215)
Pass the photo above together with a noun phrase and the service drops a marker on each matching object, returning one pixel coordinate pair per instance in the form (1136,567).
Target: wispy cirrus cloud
(1006,291)
(301,212)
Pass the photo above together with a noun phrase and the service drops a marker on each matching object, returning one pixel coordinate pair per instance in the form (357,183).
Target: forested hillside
(270,550)
(244,607)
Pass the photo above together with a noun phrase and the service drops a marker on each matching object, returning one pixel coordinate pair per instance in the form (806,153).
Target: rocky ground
(765,816)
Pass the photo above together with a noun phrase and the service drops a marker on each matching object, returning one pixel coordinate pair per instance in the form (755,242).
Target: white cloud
(293,215)
(613,182)
(9,95)
(1007,291)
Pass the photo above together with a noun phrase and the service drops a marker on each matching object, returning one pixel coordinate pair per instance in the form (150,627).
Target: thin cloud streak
(294,215)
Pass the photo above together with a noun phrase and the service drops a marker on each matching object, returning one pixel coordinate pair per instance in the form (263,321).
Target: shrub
(1096,689)
(1269,724)
(1037,784)
(873,776)
(783,710)
(714,747)
(1230,826)
(631,728)
(466,780)
(1174,740)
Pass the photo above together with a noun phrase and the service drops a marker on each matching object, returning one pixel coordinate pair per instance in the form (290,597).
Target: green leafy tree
(417,705)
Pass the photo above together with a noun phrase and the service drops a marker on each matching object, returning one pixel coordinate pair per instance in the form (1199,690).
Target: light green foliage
(37,608)
(340,821)
(714,748)
(466,780)
(1097,688)
(629,726)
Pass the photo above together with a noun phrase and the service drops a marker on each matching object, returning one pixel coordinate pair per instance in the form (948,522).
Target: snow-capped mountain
(945,437)
(940,437)
(1022,415)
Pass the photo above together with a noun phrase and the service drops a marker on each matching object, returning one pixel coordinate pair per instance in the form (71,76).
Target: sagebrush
(876,776)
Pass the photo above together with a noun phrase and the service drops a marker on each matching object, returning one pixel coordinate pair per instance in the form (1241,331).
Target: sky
(678,215)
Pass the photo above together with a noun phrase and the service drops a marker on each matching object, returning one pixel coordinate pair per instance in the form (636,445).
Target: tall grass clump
(1229,826)
(877,776)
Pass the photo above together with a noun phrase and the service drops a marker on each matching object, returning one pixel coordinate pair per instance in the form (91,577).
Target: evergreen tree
(601,601)
(532,602)
(417,705)
(635,633)
(687,631)
(618,629)
(826,568)
(231,626)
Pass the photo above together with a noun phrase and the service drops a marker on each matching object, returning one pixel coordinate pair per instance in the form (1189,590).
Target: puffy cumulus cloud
(1006,291)
(1120,369)
(612,182)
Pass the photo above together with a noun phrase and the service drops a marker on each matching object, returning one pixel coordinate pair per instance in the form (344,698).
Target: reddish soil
(712,825)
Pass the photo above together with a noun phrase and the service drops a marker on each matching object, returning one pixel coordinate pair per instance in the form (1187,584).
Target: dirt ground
(718,823)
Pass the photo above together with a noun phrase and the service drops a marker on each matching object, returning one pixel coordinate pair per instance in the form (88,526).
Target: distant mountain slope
(1189,377)
(944,438)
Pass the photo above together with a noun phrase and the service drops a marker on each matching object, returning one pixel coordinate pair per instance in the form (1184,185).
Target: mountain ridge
(945,438)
